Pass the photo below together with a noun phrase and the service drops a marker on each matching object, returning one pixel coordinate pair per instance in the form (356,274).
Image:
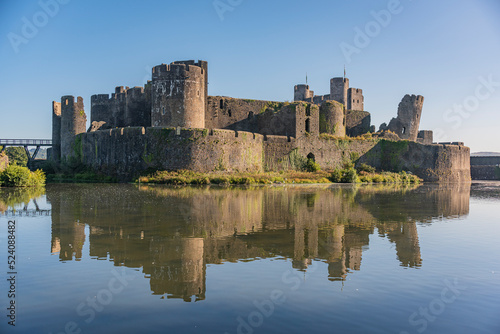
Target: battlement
(179,70)
(99,99)
(414,98)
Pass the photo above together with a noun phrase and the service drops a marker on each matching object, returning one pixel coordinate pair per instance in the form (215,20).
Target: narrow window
(66,101)
(163,111)
(222,104)
(229,112)
(308,125)
(404,130)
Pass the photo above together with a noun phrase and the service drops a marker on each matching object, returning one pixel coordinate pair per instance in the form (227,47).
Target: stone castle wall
(126,152)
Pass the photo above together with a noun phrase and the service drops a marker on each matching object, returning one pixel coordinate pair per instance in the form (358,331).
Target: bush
(312,166)
(365,168)
(336,175)
(350,176)
(18,176)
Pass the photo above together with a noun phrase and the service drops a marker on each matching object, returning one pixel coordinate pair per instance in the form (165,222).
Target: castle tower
(338,91)
(302,93)
(356,99)
(56,131)
(332,118)
(407,124)
(100,109)
(179,94)
(73,122)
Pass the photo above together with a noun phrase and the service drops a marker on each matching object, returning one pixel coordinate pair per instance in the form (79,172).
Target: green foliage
(18,176)
(365,168)
(17,155)
(296,160)
(345,175)
(312,166)
(350,176)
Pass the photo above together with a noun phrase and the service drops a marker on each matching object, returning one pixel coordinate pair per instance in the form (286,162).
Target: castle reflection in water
(173,234)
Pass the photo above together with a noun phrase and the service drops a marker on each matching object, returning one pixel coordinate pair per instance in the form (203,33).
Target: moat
(271,259)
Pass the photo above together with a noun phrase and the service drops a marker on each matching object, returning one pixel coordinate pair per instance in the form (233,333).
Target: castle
(172,123)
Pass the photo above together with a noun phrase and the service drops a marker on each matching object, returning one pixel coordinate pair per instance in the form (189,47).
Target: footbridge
(37,143)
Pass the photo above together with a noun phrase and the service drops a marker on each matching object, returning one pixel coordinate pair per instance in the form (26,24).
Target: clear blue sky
(259,50)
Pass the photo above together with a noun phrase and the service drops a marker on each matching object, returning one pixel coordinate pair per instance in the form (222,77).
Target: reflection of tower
(178,268)
(405,235)
(336,257)
(68,235)
(300,260)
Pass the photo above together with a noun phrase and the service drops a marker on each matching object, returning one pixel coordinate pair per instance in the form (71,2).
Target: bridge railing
(26,142)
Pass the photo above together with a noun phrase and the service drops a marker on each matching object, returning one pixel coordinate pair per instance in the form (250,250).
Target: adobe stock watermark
(364,36)
(456,115)
(89,308)
(224,6)
(421,319)
(31,26)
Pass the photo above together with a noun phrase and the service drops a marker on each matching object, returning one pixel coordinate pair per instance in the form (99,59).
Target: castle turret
(55,154)
(303,93)
(332,118)
(179,95)
(73,122)
(338,90)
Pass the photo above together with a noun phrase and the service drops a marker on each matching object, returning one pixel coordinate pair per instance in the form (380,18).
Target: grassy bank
(291,177)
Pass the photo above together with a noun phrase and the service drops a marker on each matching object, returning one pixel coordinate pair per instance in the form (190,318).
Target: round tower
(338,90)
(332,118)
(56,131)
(302,93)
(179,95)
(73,122)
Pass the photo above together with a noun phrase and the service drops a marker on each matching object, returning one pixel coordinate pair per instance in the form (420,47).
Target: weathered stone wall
(126,107)
(482,172)
(179,95)
(356,99)
(223,112)
(55,153)
(434,163)
(332,118)
(126,152)
(357,123)
(73,122)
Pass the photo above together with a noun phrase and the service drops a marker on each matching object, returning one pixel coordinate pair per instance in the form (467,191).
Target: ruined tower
(338,90)
(56,131)
(332,118)
(303,93)
(179,94)
(73,122)
(407,124)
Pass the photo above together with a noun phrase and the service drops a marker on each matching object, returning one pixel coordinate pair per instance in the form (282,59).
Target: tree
(17,155)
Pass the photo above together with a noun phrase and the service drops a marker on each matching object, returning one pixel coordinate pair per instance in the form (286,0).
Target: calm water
(302,259)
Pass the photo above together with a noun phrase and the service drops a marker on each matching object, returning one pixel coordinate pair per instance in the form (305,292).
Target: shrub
(18,176)
(336,175)
(350,176)
(312,166)
(365,168)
